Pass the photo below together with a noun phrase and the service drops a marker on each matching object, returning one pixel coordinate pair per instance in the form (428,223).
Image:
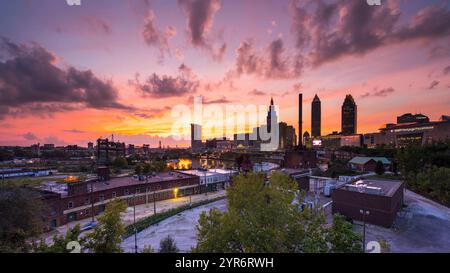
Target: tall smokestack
(300,119)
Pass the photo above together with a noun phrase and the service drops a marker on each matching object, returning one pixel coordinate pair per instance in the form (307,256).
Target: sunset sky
(72,74)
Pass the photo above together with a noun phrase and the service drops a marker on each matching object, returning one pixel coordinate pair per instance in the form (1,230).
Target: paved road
(142,211)
(182,227)
(422,227)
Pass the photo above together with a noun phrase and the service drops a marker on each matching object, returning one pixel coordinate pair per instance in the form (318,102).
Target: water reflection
(196,163)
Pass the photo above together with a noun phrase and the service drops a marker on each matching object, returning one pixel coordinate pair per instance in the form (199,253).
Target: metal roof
(363,160)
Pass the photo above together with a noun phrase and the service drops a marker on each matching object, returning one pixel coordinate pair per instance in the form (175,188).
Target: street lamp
(364,213)
(175,193)
(134,223)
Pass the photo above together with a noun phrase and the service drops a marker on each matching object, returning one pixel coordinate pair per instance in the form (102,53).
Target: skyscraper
(349,116)
(300,119)
(196,137)
(316,117)
(271,114)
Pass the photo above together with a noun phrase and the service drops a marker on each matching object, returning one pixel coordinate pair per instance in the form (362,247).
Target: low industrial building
(368,164)
(212,179)
(25,172)
(75,201)
(374,201)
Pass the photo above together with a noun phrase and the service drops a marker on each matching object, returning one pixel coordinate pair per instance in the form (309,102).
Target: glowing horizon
(69,75)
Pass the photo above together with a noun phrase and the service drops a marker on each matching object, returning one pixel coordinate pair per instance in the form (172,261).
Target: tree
(138,169)
(120,162)
(148,249)
(342,237)
(61,242)
(262,217)
(379,168)
(167,245)
(107,235)
(21,218)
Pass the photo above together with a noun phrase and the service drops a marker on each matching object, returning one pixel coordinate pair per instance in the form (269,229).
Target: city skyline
(119,69)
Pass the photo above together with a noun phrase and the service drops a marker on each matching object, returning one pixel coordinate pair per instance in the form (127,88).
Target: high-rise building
(196,137)
(272,114)
(316,117)
(300,119)
(287,136)
(349,116)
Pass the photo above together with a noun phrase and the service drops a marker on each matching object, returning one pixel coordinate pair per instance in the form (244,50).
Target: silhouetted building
(107,151)
(300,119)
(272,114)
(306,137)
(91,147)
(131,149)
(316,117)
(196,137)
(349,116)
(410,118)
(287,138)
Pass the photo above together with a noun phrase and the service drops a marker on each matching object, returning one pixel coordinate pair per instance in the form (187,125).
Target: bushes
(435,182)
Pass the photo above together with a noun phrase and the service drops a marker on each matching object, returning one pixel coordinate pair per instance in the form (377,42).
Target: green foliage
(435,182)
(60,242)
(426,169)
(21,218)
(262,218)
(379,168)
(151,167)
(167,245)
(148,249)
(107,235)
(342,237)
(120,163)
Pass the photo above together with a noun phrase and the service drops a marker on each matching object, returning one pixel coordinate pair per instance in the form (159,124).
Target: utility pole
(134,223)
(92,201)
(364,213)
(154,202)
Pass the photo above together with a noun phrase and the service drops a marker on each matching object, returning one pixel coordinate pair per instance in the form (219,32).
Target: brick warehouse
(382,199)
(75,201)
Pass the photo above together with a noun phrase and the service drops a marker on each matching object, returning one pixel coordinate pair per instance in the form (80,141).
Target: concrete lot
(422,227)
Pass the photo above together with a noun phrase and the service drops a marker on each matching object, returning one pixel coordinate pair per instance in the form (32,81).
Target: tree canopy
(262,217)
(21,218)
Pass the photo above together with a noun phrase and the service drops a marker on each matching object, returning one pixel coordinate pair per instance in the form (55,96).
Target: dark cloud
(446,70)
(99,25)
(152,113)
(30,136)
(167,86)
(329,31)
(379,93)
(270,63)
(200,20)
(207,101)
(256,92)
(31,82)
(433,84)
(74,131)
(55,140)
(155,37)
